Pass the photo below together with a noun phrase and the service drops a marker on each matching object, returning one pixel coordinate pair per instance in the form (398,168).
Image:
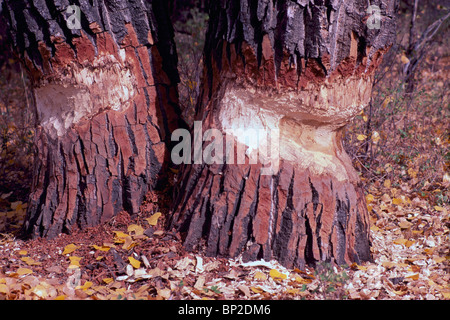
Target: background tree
(303,68)
(106,100)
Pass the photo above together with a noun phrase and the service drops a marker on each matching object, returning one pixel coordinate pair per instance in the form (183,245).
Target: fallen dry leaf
(29,261)
(153,220)
(74,262)
(136,229)
(275,274)
(256,289)
(101,248)
(245,290)
(135,263)
(405,224)
(69,249)
(361,137)
(23,271)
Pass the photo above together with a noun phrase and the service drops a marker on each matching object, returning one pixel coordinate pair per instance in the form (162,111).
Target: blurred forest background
(399,143)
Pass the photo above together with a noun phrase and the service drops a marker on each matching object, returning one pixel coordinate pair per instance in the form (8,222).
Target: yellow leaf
(101,248)
(369,198)
(138,230)
(414,276)
(128,243)
(85,286)
(107,280)
(135,263)
(387,183)
(23,252)
(260,276)
(386,101)
(153,220)
(22,271)
(409,243)
(74,262)
(4,288)
(446,294)
(397,201)
(404,59)
(256,289)
(69,248)
(275,274)
(388,264)
(29,261)
(120,237)
(400,241)
(357,266)
(361,137)
(302,280)
(293,291)
(437,208)
(120,234)
(61,297)
(400,293)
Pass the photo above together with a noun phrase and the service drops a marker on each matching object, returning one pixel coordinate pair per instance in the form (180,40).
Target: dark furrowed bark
(106,103)
(296,31)
(277,217)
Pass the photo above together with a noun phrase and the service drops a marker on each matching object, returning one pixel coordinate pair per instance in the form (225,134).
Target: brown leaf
(245,290)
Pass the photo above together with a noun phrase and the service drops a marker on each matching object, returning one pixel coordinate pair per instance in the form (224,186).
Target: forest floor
(135,258)
(400,146)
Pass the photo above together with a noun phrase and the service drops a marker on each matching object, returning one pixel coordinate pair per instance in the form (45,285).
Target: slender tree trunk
(298,71)
(106,102)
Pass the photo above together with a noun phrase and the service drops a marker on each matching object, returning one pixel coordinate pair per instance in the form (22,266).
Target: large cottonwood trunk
(297,72)
(106,102)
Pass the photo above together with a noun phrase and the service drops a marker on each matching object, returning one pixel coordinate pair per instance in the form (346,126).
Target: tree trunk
(291,73)
(104,80)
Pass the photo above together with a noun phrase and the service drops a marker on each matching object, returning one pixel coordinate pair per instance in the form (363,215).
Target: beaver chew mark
(85,93)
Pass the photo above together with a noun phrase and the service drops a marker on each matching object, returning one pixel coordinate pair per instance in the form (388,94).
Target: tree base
(295,216)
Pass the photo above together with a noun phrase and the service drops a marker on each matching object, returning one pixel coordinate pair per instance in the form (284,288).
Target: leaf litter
(410,250)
